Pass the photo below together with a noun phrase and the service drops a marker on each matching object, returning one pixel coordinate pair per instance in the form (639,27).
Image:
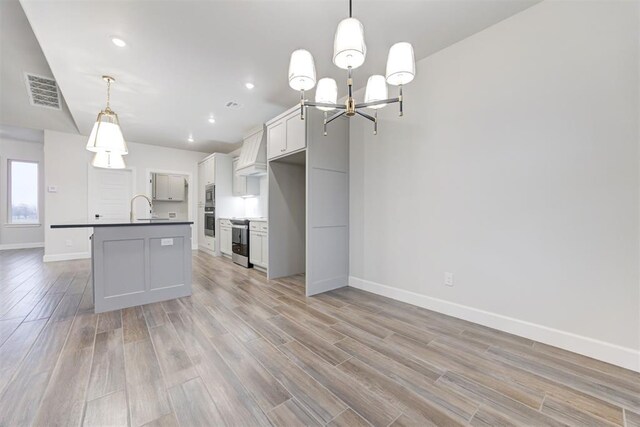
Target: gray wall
(515,167)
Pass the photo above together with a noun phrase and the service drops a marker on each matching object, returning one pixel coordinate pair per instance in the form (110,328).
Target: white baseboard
(9,246)
(601,350)
(66,257)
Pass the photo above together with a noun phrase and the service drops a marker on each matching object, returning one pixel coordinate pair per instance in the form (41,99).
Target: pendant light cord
(350,10)
(108,92)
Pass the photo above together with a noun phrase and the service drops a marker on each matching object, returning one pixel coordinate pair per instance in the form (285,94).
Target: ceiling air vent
(233,105)
(43,91)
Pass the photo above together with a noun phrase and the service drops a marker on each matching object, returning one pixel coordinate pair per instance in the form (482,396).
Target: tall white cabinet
(309,199)
(215,169)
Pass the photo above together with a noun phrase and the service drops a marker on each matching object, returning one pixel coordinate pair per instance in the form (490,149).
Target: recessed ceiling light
(249,85)
(118,41)
(211,120)
(190,139)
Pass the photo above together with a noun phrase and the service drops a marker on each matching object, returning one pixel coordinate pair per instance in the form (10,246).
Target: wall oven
(240,242)
(210,210)
(209,222)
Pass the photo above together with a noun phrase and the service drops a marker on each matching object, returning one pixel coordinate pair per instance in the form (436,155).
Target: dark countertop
(119,223)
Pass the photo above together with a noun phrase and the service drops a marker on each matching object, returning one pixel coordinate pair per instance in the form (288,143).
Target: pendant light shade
(401,66)
(327,93)
(106,134)
(376,91)
(302,70)
(349,49)
(107,160)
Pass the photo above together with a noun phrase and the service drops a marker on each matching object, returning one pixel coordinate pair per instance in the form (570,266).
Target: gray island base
(139,262)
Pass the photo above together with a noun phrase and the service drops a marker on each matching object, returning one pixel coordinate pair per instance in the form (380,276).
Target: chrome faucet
(131,218)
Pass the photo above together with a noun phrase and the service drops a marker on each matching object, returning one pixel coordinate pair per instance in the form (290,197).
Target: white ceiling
(185,59)
(20,53)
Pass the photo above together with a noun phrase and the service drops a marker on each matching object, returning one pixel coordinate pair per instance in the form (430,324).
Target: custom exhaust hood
(253,155)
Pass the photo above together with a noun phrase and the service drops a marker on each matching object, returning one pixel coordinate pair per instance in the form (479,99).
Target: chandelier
(349,52)
(106,139)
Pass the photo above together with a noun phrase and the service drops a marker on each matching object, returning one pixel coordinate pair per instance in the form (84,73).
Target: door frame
(91,183)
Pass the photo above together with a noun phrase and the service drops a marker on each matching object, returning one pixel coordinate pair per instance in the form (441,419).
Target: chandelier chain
(108,92)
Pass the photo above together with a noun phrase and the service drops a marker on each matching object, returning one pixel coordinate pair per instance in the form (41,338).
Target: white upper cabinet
(168,188)
(296,138)
(201,184)
(206,171)
(276,139)
(286,134)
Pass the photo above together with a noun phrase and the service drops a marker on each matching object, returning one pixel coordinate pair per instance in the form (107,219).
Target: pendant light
(107,160)
(376,91)
(302,70)
(106,134)
(350,52)
(401,66)
(327,93)
(349,49)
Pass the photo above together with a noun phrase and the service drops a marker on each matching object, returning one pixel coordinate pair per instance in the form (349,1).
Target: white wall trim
(8,246)
(66,257)
(601,350)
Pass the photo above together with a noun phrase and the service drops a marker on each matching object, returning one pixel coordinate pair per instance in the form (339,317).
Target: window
(23,192)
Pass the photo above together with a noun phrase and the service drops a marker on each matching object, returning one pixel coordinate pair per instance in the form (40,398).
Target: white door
(110,192)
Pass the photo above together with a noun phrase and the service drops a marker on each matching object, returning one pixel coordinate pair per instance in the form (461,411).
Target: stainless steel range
(240,242)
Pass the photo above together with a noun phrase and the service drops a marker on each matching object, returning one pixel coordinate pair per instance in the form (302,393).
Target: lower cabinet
(258,244)
(225,237)
(209,244)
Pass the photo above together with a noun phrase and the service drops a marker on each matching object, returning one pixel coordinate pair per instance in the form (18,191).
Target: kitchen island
(138,262)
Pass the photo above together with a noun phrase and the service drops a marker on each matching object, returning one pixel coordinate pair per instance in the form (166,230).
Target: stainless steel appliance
(210,210)
(240,242)
(210,222)
(210,196)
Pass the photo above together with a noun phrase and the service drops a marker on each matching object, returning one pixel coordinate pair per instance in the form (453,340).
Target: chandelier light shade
(401,65)
(376,91)
(349,52)
(327,93)
(107,160)
(106,134)
(349,49)
(302,70)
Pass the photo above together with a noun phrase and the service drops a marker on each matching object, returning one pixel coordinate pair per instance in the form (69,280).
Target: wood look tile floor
(245,351)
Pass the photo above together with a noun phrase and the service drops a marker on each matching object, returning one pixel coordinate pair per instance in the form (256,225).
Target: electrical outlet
(69,243)
(448,279)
